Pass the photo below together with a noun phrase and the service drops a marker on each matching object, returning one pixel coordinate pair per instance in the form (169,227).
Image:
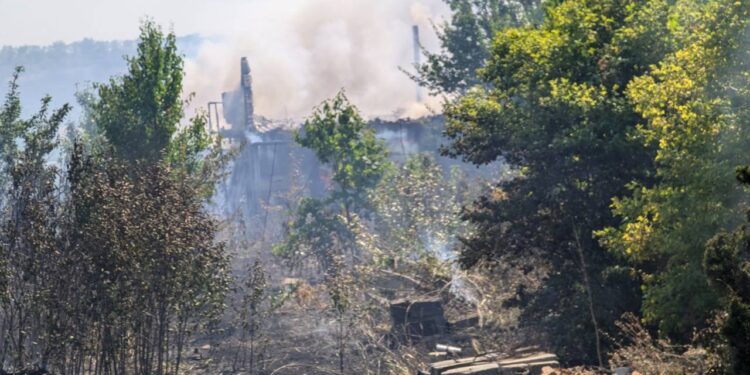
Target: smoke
(443,248)
(307,50)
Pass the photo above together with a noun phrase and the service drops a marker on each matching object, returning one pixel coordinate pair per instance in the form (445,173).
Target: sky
(301,51)
(40,22)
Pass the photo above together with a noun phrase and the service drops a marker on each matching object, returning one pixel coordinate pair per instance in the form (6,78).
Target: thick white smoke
(304,52)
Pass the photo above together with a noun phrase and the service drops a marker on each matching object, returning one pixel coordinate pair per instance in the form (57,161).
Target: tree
(465,41)
(553,105)
(416,214)
(728,270)
(693,108)
(139,112)
(251,314)
(98,275)
(322,228)
(150,279)
(340,139)
(196,156)
(140,115)
(28,241)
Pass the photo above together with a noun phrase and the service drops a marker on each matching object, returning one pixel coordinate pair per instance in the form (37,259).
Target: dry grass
(648,355)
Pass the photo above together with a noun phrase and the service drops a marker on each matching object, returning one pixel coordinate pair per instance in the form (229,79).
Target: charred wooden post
(246,84)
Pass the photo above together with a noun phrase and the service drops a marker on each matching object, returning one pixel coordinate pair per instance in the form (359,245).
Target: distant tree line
(61,69)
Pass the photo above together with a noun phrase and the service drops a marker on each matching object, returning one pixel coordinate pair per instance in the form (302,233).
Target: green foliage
(28,237)
(693,109)
(416,213)
(139,115)
(465,40)
(314,231)
(587,112)
(116,262)
(552,104)
(194,155)
(25,143)
(85,130)
(340,139)
(139,112)
(323,230)
(187,146)
(727,265)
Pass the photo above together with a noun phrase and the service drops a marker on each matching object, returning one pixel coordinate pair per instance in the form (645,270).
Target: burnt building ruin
(268,161)
(267,156)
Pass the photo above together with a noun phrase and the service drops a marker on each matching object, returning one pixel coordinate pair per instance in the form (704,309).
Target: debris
(418,318)
(535,358)
(468,322)
(438,368)
(484,369)
(448,348)
(526,349)
(491,364)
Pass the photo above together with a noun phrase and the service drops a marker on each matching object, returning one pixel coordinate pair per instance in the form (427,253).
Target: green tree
(139,112)
(323,228)
(553,105)
(693,105)
(465,41)
(340,139)
(28,239)
(416,214)
(728,269)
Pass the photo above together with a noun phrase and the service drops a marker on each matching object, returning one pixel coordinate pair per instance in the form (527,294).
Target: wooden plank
(538,357)
(534,368)
(438,368)
(533,362)
(526,349)
(484,369)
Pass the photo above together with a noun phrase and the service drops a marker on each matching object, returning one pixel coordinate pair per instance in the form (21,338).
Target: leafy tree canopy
(694,109)
(340,139)
(140,111)
(553,103)
(465,40)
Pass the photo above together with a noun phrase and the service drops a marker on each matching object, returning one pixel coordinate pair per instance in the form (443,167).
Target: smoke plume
(305,52)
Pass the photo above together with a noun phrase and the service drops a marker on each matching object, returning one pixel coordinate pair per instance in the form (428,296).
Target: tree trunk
(589,295)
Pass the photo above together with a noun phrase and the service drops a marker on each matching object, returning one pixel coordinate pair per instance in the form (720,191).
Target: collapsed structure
(269,162)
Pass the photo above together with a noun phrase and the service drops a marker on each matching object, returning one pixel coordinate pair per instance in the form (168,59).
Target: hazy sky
(301,51)
(39,22)
(46,21)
